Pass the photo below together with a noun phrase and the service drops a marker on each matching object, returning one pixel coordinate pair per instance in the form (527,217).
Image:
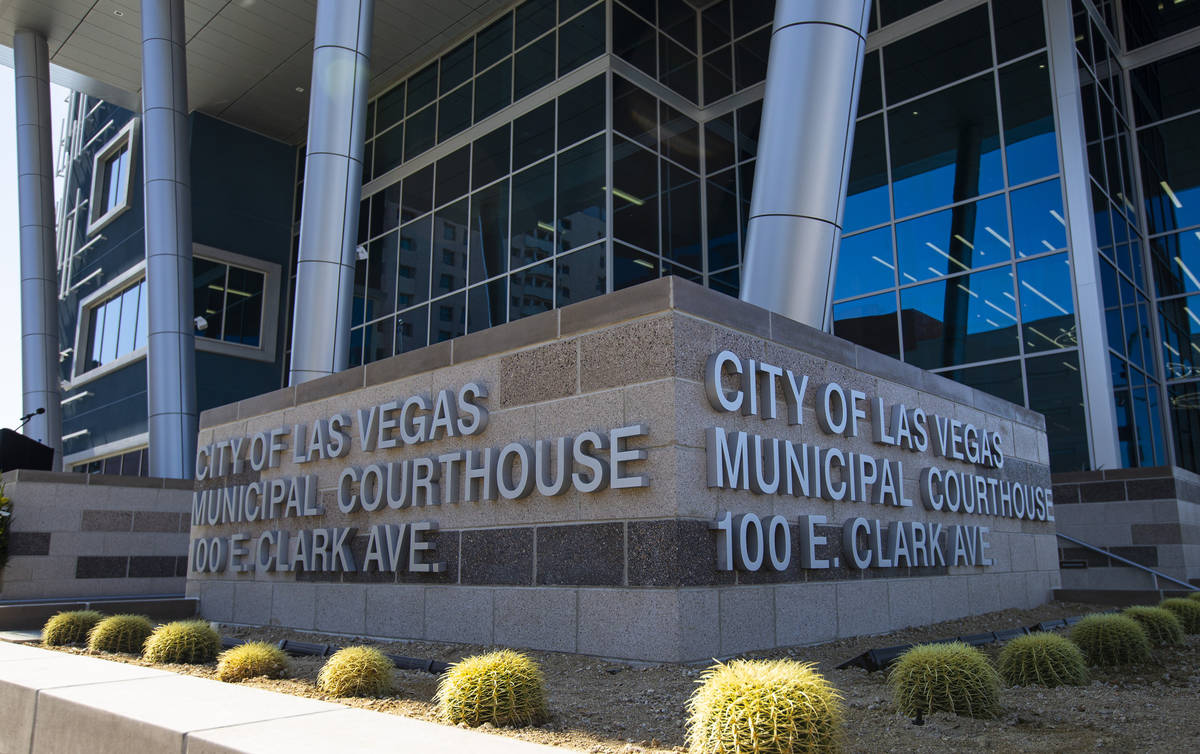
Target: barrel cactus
(1187,611)
(501,688)
(72,627)
(1161,626)
(1111,639)
(1194,596)
(1042,659)
(951,677)
(120,633)
(251,660)
(183,641)
(764,706)
(356,671)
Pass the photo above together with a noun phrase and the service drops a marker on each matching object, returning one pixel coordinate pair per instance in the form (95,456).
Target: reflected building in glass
(1022,213)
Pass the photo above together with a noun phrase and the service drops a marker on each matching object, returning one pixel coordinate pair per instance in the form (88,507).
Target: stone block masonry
(92,535)
(663,473)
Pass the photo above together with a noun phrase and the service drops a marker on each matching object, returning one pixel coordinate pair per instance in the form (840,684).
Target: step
(32,614)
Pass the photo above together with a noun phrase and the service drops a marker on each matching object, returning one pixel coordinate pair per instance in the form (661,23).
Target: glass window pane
(635,195)
(635,112)
(454,112)
(953,240)
(1166,87)
(1184,401)
(1125,423)
(112,326)
(488,242)
(208,295)
(870,95)
(533,136)
(142,322)
(493,90)
(412,329)
(487,305)
(535,66)
(1038,223)
(457,65)
(489,159)
(748,119)
(1176,263)
(1147,22)
(581,195)
(385,210)
(388,150)
(450,248)
(678,69)
(1002,380)
(1054,390)
(945,147)
(865,264)
(723,244)
(453,175)
(532,234)
(448,317)
(749,16)
(378,289)
(868,202)
(581,112)
(715,26)
(581,275)
(631,267)
(1031,146)
(494,42)
(633,40)
(412,273)
(961,320)
(378,339)
(869,322)
(718,143)
(531,291)
(894,10)
(750,58)
(422,88)
(680,210)
(244,302)
(933,57)
(680,138)
(1047,307)
(1019,27)
(718,75)
(581,40)
(726,282)
(534,17)
(419,133)
(418,194)
(1172,186)
(1145,432)
(129,313)
(678,19)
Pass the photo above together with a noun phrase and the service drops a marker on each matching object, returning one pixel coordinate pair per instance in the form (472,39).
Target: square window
(112,171)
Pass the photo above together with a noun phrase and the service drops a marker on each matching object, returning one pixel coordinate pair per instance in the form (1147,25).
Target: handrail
(1156,574)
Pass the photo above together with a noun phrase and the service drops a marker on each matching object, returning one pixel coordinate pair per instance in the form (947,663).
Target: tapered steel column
(804,144)
(39,281)
(332,188)
(171,356)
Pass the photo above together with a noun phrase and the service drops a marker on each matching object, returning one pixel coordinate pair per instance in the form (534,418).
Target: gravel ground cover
(602,706)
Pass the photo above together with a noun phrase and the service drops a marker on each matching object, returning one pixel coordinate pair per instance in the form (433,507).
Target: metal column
(171,356)
(332,188)
(804,144)
(39,282)
(1094,361)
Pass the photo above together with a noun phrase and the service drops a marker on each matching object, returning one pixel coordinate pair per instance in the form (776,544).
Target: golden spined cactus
(183,641)
(120,633)
(1161,626)
(251,660)
(1042,659)
(356,671)
(766,707)
(1111,639)
(950,677)
(72,627)
(1187,611)
(501,688)
(1194,596)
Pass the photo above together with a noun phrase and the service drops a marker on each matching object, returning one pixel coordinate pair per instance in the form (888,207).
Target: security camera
(201,323)
(360,251)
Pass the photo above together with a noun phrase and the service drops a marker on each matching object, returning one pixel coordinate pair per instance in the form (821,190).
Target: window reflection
(961,320)
(1047,306)
(1002,380)
(869,322)
(1031,146)
(1055,391)
(954,240)
(1038,222)
(870,256)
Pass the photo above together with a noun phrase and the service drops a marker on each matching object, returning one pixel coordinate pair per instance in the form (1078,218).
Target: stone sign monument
(663,473)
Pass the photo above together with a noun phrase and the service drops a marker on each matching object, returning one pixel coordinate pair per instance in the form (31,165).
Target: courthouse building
(260,192)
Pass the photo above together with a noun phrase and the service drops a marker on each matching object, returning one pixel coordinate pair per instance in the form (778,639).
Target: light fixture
(545,226)
(1187,271)
(360,252)
(75,435)
(626,196)
(1056,216)
(1171,194)
(643,263)
(300,89)
(882,262)
(118,13)
(997,236)
(1025,284)
(73,398)
(201,323)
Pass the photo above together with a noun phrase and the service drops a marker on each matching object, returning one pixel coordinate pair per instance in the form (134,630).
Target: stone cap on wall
(661,295)
(96,480)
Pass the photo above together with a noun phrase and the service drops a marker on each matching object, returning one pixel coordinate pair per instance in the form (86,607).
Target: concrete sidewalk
(58,702)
